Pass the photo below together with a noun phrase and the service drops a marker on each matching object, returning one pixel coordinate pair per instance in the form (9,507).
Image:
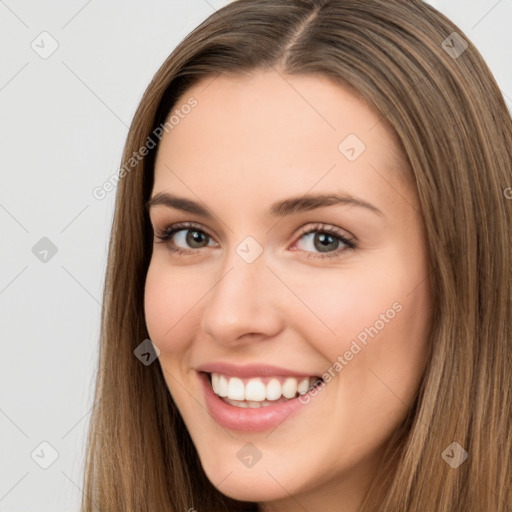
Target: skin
(252,140)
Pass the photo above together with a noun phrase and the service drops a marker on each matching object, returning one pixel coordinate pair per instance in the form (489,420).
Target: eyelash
(166,235)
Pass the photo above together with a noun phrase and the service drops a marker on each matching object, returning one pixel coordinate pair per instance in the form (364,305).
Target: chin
(249,484)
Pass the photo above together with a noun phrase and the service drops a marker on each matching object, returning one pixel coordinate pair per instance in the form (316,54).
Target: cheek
(168,306)
(340,305)
(381,322)
(375,318)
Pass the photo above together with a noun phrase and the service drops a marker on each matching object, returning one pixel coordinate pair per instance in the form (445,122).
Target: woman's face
(285,279)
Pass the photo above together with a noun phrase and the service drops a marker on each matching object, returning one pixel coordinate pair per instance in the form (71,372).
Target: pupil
(325,239)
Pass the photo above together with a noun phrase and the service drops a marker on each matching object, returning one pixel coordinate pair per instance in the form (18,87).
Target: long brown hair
(456,132)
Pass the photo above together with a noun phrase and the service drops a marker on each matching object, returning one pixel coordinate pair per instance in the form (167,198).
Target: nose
(242,305)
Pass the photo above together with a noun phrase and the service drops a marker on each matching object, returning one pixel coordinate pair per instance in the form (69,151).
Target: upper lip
(250,370)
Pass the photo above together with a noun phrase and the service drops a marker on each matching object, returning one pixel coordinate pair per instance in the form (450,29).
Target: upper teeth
(259,389)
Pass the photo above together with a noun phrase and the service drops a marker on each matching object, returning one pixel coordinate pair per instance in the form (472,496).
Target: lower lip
(247,419)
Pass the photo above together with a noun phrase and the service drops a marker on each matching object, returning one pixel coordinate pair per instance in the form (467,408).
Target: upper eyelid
(186,225)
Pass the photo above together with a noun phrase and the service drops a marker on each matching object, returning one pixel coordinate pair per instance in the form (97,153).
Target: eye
(329,241)
(184,237)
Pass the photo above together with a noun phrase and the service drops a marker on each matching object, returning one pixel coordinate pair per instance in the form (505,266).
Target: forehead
(282,134)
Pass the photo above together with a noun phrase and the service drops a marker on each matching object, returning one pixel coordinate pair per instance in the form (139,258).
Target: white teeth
(303,386)
(215,383)
(290,387)
(273,389)
(247,404)
(222,385)
(236,390)
(254,392)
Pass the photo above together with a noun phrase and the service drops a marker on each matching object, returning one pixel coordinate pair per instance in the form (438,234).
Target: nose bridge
(238,302)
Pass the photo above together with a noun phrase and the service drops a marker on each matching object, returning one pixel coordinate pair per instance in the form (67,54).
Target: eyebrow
(282,208)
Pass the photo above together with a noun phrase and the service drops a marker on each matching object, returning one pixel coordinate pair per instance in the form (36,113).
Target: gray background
(64,120)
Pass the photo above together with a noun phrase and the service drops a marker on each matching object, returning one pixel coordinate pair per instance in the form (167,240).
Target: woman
(315,237)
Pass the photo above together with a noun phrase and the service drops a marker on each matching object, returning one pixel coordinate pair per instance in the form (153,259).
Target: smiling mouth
(259,392)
